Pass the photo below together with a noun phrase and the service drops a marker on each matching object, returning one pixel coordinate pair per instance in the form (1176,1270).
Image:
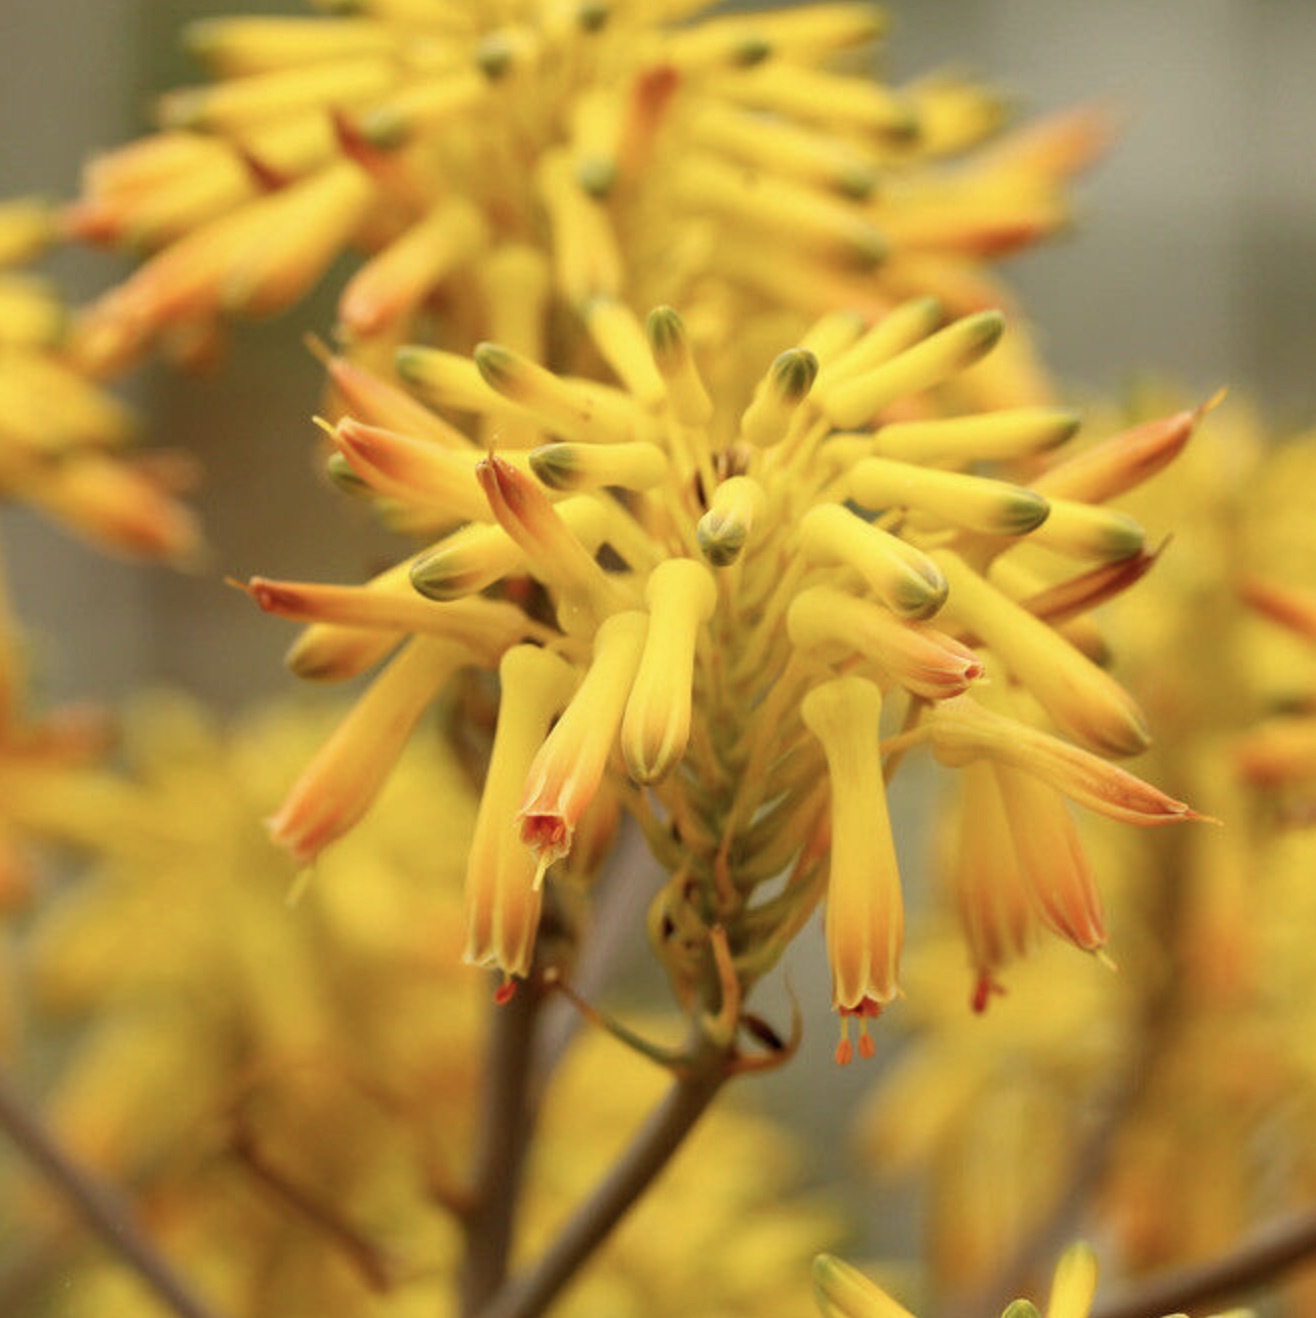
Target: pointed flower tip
(842,1291)
(269,595)
(1074,1283)
(302,845)
(498,477)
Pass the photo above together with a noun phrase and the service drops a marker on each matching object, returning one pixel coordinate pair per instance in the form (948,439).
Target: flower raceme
(608,145)
(735,616)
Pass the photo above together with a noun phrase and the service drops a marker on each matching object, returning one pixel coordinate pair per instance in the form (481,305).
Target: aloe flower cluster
(726,587)
(730,618)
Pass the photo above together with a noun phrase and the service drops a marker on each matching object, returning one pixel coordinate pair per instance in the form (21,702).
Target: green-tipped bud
(445,379)
(495,56)
(669,345)
(905,579)
(936,359)
(1020,1309)
(562,406)
(1001,436)
(787,384)
(751,51)
(634,466)
(464,563)
(593,15)
(844,1292)
(596,175)
(476,556)
(726,526)
(793,374)
(975,503)
(1084,701)
(340,472)
(1080,530)
(681,595)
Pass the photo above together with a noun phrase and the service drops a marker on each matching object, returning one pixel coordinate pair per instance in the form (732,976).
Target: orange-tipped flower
(503,891)
(569,765)
(865,911)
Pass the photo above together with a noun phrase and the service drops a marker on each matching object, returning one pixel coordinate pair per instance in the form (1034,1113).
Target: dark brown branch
(1258,1261)
(635,1171)
(99,1207)
(507,1123)
(368,1259)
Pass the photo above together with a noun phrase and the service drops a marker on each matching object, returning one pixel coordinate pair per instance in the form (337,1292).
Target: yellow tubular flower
(1052,861)
(906,580)
(769,416)
(944,354)
(844,1292)
(1085,701)
(997,916)
(865,913)
(974,502)
(923,660)
(681,596)
(728,524)
(566,772)
(670,345)
(963,731)
(503,894)
(339,785)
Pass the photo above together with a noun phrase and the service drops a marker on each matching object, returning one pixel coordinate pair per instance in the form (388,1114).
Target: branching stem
(1258,1261)
(658,1140)
(98,1206)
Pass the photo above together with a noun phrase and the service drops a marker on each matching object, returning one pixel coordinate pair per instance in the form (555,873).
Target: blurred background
(1193,258)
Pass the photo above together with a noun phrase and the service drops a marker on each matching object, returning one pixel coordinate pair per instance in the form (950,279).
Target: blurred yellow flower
(842,1291)
(580,152)
(61,437)
(316,1158)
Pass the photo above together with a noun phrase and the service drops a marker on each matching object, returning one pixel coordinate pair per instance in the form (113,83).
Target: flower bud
(681,595)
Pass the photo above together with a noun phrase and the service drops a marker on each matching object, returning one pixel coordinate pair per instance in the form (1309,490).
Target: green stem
(100,1208)
(658,1140)
(1257,1261)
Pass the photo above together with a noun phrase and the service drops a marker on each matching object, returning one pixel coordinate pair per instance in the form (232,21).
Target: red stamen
(983,991)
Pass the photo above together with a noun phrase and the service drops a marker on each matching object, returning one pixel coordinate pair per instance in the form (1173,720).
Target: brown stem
(652,1149)
(1258,1260)
(368,1259)
(507,1118)
(97,1204)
